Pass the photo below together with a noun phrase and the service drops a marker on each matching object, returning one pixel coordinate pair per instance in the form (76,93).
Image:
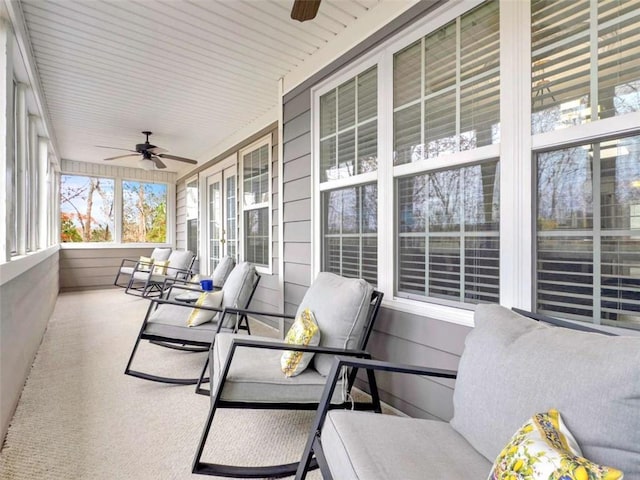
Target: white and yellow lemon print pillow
(145,264)
(304,331)
(544,448)
(199,316)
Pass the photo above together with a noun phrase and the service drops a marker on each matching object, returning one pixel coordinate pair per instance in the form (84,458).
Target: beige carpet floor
(80,417)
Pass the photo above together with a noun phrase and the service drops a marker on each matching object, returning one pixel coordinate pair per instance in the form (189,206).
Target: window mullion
(458,75)
(597,234)
(593,66)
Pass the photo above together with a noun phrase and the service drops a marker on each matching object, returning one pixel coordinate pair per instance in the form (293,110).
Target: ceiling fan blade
(158,162)
(180,159)
(116,148)
(157,150)
(304,10)
(122,156)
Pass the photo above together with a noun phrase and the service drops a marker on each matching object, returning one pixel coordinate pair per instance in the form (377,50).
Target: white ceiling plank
(198,73)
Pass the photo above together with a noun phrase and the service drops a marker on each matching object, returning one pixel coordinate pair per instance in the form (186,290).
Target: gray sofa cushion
(222,271)
(363,445)
(170,321)
(255,375)
(513,367)
(340,306)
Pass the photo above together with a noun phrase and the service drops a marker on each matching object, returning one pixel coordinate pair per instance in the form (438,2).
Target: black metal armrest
(393,367)
(164,301)
(256,312)
(253,343)
(130,260)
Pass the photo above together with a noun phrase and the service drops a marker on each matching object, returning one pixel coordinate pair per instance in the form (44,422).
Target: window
(192,215)
(86,209)
(256,201)
(588,238)
(12,181)
(448,234)
(348,152)
(144,212)
(582,64)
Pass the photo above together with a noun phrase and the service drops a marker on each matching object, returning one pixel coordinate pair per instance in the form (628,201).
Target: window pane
(618,57)
(588,259)
(349,231)
(256,224)
(86,209)
(448,234)
(353,150)
(563,56)
(459,108)
(346,105)
(144,212)
(256,176)
(406,75)
(232,228)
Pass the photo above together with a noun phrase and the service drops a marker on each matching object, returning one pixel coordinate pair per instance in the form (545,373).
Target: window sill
(107,245)
(459,316)
(20,264)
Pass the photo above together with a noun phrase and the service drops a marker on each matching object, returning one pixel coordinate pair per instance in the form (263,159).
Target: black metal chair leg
(202,379)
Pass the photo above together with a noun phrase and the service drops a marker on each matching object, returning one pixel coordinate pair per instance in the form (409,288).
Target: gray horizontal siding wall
(90,268)
(397,336)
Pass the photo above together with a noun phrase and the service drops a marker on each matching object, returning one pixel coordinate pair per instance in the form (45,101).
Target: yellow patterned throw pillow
(144,264)
(304,331)
(199,316)
(545,449)
(160,267)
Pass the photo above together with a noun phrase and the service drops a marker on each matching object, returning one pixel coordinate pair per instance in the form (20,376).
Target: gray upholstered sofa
(512,367)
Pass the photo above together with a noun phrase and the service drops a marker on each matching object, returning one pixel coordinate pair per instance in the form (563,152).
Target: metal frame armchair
(145,282)
(245,371)
(497,388)
(165,322)
(128,265)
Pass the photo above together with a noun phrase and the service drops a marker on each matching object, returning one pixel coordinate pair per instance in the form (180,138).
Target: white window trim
(192,179)
(266,140)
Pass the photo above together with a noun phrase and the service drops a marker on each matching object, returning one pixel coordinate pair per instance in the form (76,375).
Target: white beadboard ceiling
(191,71)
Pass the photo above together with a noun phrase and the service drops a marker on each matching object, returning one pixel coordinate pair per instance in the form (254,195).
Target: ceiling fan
(151,155)
(304,10)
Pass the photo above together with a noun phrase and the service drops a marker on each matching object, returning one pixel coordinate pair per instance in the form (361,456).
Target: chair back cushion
(180,259)
(237,289)
(222,271)
(513,367)
(340,306)
(161,254)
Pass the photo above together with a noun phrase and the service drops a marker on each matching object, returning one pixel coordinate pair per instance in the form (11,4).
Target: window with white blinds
(350,232)
(588,239)
(256,196)
(446,88)
(448,234)
(348,152)
(585,58)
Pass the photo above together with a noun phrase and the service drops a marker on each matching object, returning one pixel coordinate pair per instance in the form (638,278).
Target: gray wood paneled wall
(90,268)
(26,303)
(397,336)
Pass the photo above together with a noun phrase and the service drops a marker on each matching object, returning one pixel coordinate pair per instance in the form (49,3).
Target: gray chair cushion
(237,289)
(161,254)
(126,270)
(180,259)
(255,375)
(170,321)
(513,367)
(340,306)
(222,271)
(363,445)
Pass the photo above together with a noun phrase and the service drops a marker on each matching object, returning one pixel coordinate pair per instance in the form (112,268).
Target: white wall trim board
(19,265)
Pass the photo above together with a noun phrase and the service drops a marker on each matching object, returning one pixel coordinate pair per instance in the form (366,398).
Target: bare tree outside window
(144,212)
(86,209)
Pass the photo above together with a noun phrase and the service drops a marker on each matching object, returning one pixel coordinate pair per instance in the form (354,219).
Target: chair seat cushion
(170,321)
(126,270)
(363,445)
(255,375)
